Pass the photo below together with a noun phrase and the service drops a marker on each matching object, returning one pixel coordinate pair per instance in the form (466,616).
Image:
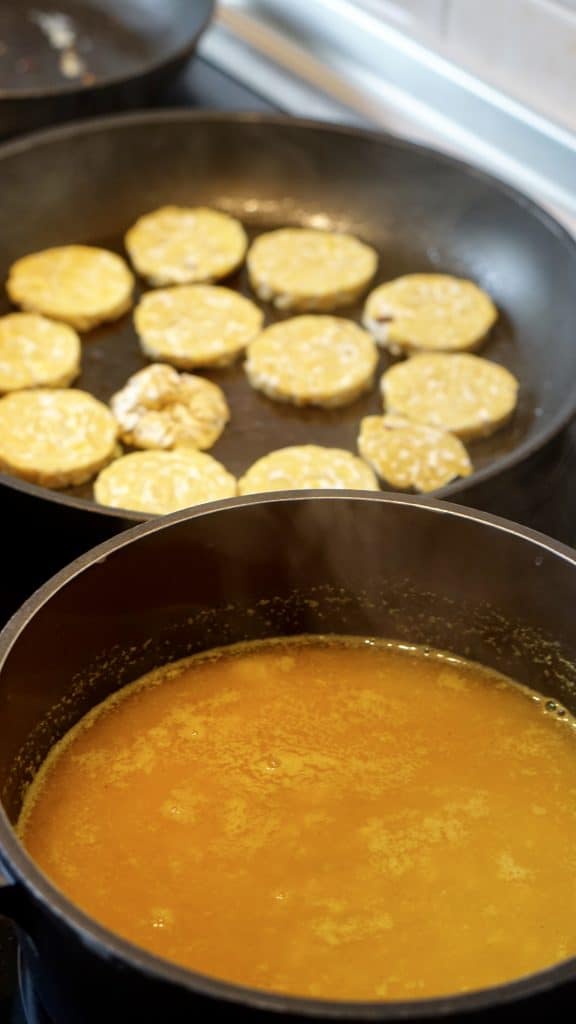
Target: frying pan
(423,212)
(81,57)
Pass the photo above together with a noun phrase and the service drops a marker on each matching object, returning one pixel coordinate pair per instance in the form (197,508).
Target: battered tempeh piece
(161,408)
(307,466)
(56,438)
(79,284)
(312,360)
(36,352)
(304,269)
(179,245)
(409,455)
(163,482)
(429,312)
(196,325)
(465,394)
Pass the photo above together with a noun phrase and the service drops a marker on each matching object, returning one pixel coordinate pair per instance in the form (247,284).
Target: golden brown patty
(196,325)
(36,352)
(312,360)
(429,312)
(161,408)
(467,395)
(79,284)
(409,455)
(303,269)
(180,245)
(163,482)
(305,466)
(55,437)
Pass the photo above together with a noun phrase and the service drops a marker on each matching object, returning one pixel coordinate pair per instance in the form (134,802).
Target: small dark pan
(422,211)
(82,57)
(405,569)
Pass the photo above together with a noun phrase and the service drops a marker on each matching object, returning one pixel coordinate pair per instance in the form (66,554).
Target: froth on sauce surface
(328,817)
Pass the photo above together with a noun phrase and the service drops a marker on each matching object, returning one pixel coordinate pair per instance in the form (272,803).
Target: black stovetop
(542,495)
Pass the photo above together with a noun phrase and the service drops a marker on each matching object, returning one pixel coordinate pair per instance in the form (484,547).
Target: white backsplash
(414,15)
(525,47)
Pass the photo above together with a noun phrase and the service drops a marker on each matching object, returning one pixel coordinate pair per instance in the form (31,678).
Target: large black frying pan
(81,57)
(423,211)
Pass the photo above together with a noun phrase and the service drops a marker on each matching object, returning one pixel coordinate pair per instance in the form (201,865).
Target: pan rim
(23,870)
(150,67)
(93,126)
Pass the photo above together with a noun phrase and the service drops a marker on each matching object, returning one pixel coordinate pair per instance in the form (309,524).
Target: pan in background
(80,57)
(423,212)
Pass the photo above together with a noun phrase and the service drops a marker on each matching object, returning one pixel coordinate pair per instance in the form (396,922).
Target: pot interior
(419,573)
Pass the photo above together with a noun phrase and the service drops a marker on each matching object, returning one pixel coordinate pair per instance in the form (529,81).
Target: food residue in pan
(59,30)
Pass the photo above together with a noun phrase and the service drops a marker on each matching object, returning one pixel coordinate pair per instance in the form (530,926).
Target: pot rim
(27,878)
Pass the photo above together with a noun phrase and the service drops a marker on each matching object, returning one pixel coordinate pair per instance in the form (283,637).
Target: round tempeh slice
(180,245)
(302,269)
(56,438)
(79,284)
(307,466)
(161,408)
(196,325)
(36,352)
(429,312)
(312,360)
(409,455)
(163,482)
(465,394)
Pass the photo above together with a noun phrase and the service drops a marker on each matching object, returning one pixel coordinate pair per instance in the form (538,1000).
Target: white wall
(525,47)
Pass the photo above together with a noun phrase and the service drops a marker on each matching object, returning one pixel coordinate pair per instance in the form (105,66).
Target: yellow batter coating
(409,455)
(465,394)
(79,284)
(304,269)
(179,245)
(312,360)
(196,325)
(429,312)
(163,482)
(36,352)
(161,408)
(306,466)
(56,438)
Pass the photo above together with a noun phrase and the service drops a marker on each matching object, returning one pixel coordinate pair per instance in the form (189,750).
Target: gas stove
(541,495)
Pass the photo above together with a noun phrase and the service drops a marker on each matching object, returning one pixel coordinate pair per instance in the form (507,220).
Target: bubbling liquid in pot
(321,816)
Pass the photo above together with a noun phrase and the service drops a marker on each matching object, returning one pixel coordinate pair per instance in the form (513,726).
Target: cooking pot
(332,562)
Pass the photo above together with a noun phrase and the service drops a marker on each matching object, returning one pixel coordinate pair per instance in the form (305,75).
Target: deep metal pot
(403,568)
(133,51)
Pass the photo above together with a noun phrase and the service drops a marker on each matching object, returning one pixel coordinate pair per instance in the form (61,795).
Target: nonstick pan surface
(82,57)
(423,212)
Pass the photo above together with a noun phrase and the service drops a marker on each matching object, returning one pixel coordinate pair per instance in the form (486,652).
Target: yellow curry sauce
(329,817)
